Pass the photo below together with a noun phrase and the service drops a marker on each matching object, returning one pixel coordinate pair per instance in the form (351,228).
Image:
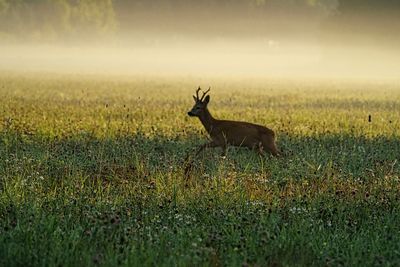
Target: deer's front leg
(189,164)
(207,145)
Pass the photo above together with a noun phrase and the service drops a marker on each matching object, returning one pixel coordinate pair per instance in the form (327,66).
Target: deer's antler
(205,93)
(197,93)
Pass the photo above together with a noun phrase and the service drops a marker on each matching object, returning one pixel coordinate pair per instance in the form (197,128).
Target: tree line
(56,19)
(86,19)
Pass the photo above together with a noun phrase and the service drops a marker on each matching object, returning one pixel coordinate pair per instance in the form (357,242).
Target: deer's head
(200,104)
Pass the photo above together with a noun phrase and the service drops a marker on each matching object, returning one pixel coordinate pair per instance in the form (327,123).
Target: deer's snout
(191,114)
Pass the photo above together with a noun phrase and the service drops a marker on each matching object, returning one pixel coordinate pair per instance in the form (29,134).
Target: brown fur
(234,133)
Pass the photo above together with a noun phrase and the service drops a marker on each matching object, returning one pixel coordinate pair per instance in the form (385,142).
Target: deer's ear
(207,99)
(195,99)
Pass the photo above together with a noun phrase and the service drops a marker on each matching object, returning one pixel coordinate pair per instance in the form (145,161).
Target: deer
(226,133)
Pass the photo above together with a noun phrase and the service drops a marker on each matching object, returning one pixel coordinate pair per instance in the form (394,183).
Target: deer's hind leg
(268,142)
(259,147)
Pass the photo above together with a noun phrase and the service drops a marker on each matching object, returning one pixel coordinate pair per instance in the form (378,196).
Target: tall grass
(91,173)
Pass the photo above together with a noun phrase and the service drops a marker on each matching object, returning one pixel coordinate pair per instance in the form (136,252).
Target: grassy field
(91,174)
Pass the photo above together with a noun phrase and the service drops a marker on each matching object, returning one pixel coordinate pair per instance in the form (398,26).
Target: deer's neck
(208,121)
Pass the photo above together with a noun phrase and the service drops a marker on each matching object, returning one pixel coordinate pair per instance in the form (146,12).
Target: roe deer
(234,133)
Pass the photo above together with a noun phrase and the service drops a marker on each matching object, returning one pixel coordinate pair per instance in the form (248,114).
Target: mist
(285,39)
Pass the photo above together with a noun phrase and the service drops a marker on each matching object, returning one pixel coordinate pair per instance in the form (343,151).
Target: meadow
(91,173)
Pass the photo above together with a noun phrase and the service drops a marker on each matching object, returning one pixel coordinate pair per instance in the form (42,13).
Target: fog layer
(354,39)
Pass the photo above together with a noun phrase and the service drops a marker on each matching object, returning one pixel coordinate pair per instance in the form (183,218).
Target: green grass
(91,173)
